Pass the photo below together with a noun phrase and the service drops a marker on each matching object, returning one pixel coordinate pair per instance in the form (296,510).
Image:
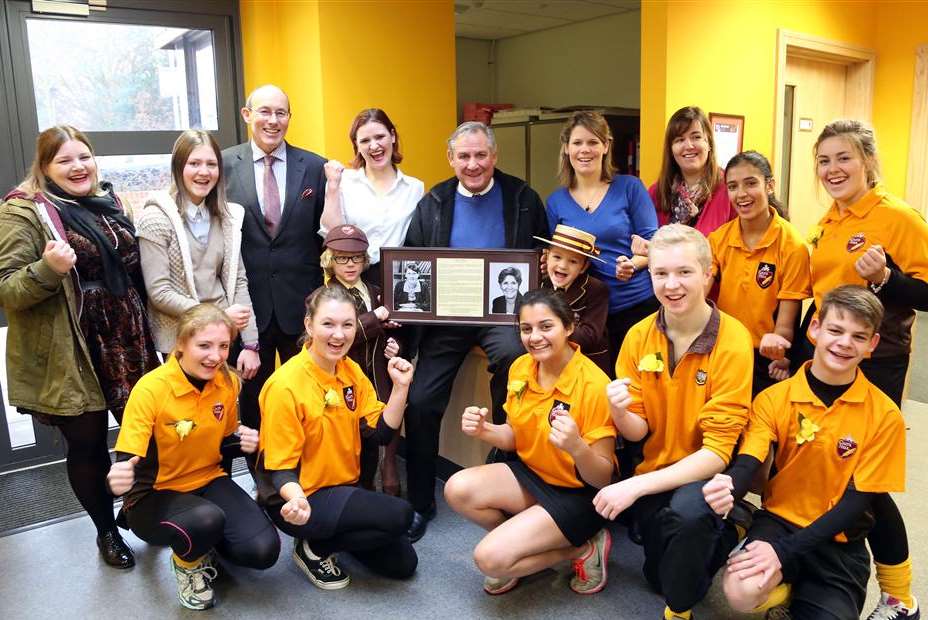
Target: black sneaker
(322,572)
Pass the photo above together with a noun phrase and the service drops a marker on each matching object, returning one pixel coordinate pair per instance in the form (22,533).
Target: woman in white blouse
(379,199)
(190,245)
(373,194)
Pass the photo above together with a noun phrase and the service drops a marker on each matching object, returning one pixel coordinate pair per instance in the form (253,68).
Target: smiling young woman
(537,508)
(373,194)
(871,238)
(760,256)
(190,241)
(690,189)
(612,207)
(315,411)
(174,454)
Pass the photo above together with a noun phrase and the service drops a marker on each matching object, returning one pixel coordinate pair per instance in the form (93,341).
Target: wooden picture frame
(728,131)
(449,286)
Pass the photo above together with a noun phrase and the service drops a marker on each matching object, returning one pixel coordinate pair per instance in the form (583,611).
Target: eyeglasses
(265,113)
(343,260)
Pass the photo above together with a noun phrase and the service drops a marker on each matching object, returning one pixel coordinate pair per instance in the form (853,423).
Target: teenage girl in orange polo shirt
(315,409)
(761,264)
(179,434)
(871,238)
(538,507)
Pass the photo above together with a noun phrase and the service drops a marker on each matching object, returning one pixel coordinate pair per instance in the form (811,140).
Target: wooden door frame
(860,63)
(916,185)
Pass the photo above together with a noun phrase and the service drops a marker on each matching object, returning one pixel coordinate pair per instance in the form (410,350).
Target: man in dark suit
(282,189)
(479,207)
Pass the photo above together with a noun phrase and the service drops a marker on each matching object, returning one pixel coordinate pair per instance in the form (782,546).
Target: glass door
(131,79)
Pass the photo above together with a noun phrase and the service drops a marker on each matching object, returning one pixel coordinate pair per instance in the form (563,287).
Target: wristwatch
(251,347)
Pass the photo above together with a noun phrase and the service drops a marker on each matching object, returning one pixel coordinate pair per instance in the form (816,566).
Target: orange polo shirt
(703,402)
(580,392)
(176,429)
(752,282)
(299,430)
(877,218)
(861,437)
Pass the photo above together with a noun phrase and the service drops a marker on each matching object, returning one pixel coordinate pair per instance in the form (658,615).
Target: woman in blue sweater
(612,207)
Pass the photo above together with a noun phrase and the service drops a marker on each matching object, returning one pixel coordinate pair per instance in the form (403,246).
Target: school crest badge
(846,447)
(219,410)
(764,275)
(558,408)
(856,242)
(348,393)
(701,376)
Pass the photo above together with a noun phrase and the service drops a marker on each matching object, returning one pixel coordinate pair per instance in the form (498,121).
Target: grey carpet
(918,375)
(54,572)
(35,496)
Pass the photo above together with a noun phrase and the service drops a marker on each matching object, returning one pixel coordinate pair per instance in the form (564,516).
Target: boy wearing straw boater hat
(568,258)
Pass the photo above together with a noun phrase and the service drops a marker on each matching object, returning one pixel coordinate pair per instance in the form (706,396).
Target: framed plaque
(728,131)
(456,287)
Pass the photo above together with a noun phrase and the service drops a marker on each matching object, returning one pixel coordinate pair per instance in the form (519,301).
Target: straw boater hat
(575,240)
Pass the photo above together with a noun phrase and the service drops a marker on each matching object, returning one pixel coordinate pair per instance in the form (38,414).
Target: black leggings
(219,515)
(88,462)
(371,526)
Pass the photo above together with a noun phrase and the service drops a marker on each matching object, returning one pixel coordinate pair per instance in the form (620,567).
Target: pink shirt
(715,213)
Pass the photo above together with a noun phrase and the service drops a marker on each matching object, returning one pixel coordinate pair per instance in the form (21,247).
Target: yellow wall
(721,56)
(901,27)
(336,58)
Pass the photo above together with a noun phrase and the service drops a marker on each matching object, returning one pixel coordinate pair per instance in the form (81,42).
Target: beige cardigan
(169,283)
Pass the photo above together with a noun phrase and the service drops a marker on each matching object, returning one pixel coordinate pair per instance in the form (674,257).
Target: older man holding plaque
(479,208)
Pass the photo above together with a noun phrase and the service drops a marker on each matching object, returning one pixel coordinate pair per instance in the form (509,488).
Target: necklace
(589,201)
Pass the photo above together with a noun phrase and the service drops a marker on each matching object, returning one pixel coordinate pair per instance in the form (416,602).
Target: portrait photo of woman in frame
(412,286)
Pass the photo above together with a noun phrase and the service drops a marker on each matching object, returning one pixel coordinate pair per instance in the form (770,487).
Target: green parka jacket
(47,360)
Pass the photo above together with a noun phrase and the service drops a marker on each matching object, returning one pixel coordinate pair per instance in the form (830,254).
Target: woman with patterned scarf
(71,287)
(690,189)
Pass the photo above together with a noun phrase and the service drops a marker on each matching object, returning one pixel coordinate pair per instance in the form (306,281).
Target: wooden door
(819,93)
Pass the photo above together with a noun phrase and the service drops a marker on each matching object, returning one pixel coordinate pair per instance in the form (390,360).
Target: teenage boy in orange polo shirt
(684,383)
(840,442)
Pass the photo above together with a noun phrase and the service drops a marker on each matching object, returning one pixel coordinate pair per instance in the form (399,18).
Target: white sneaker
(891,608)
(194,585)
(499,585)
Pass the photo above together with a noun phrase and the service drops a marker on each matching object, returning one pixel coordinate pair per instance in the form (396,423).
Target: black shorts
(571,508)
(829,582)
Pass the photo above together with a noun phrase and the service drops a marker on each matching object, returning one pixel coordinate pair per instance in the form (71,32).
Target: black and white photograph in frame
(508,282)
(412,286)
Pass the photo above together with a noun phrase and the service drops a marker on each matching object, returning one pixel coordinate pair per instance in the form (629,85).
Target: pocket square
(306,193)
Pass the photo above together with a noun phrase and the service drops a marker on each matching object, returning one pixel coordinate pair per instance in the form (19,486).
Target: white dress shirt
(383,218)
(280,172)
(197,218)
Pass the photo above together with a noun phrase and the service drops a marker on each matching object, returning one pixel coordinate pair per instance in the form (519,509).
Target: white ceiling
(497,19)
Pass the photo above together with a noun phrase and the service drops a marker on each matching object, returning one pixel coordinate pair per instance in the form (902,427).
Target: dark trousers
(685,543)
(371,526)
(219,515)
(441,353)
(762,379)
(271,341)
(829,582)
(618,324)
